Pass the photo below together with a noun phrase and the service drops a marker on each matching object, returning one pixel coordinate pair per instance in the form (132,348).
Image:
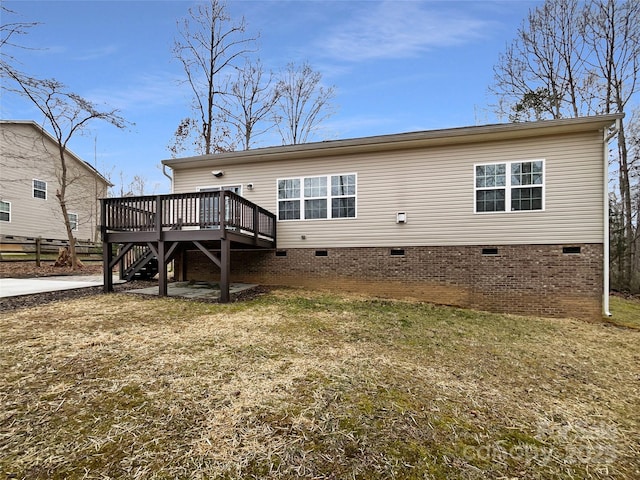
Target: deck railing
(187,211)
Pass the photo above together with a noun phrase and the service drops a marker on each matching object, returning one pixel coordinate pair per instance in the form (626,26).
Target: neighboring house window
(73,221)
(39,189)
(319,197)
(5,211)
(509,186)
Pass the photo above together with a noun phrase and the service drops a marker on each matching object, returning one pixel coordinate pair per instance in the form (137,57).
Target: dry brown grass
(307,385)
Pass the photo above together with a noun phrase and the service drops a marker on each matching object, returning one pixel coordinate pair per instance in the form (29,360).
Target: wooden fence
(38,249)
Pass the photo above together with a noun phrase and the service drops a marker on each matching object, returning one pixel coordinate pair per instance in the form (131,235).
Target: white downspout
(605,292)
(164,172)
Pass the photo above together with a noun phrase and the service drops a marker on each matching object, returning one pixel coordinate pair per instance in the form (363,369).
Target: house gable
(30,169)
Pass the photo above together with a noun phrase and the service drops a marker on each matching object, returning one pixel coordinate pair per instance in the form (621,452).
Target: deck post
(162,253)
(162,270)
(225,269)
(107,252)
(222,212)
(159,213)
(256,224)
(107,258)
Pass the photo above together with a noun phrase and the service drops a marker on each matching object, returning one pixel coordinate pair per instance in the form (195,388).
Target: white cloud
(143,92)
(96,53)
(399,29)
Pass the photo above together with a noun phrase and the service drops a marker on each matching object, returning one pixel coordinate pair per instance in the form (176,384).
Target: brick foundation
(523,279)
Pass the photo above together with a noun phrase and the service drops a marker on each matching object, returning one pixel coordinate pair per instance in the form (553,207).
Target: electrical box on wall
(401,217)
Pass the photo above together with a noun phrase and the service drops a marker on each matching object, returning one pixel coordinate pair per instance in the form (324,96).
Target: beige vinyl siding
(435,187)
(25,156)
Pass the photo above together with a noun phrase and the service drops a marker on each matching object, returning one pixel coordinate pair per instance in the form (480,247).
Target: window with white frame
(73,220)
(39,189)
(509,186)
(5,211)
(317,197)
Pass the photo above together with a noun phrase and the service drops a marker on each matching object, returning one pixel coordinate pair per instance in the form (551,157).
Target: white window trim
(217,188)
(33,189)
(303,199)
(9,212)
(508,186)
(77,220)
(328,197)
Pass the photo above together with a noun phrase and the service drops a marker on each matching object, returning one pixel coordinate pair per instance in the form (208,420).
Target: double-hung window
(5,211)
(289,199)
(40,189)
(509,186)
(317,197)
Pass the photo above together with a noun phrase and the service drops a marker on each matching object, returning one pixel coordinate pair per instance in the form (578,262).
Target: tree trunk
(72,241)
(627,214)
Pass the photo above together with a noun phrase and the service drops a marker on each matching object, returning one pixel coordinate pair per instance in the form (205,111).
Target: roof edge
(42,130)
(468,134)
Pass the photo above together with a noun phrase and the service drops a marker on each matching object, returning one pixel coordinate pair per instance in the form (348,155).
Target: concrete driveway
(12,287)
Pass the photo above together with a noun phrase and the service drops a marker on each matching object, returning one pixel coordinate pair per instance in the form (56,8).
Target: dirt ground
(46,269)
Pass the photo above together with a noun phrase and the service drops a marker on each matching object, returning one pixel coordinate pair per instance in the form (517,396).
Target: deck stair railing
(139,262)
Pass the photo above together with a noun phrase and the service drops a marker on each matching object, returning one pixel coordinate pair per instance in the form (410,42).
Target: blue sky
(397,66)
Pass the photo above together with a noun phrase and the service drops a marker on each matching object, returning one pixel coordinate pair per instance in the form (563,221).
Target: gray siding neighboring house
(508,217)
(29,172)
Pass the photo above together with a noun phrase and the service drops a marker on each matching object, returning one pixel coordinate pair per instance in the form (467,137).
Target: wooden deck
(164,226)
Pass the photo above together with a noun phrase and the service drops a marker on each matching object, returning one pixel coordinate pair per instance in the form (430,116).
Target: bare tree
(612,31)
(8,33)
(303,103)
(250,101)
(208,45)
(67,114)
(537,76)
(571,59)
(625,233)
(134,187)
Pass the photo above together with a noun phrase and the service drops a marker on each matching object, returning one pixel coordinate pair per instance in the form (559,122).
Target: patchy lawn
(625,311)
(306,385)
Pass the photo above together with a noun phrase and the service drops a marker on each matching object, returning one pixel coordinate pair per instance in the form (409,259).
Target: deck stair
(143,267)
